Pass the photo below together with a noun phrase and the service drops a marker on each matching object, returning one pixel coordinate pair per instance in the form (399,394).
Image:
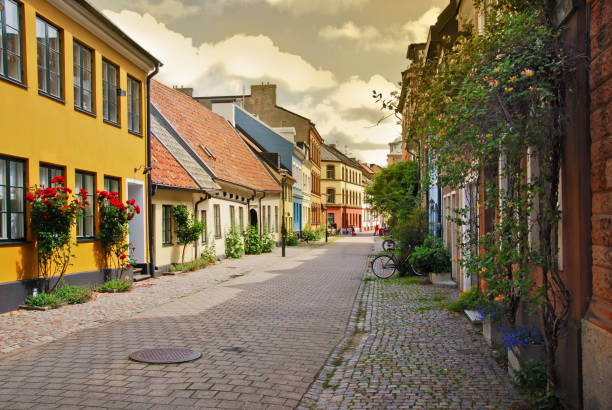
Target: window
(12,199)
(10,41)
(83,63)
(331,195)
(167,224)
(330,219)
(217,221)
(85,227)
(204,232)
(49,45)
(133,95)
(276,218)
(331,172)
(112,184)
(232,216)
(269,215)
(110,74)
(48,172)
(241,217)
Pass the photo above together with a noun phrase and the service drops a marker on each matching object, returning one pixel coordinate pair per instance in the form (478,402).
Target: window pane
(16,173)
(86,80)
(86,60)
(16,199)
(77,95)
(44,176)
(53,36)
(2,172)
(17,226)
(42,60)
(86,102)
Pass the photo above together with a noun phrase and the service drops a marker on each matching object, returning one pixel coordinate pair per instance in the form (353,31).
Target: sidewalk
(403,349)
(22,328)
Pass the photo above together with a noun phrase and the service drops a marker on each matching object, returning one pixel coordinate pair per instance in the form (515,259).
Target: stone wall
(597,326)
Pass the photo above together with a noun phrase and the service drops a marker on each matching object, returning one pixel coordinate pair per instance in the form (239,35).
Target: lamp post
(325,210)
(283,173)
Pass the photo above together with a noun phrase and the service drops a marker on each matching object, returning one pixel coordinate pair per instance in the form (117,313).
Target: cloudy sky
(325,55)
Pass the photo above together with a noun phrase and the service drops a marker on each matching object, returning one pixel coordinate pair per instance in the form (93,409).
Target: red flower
(137,209)
(122,257)
(57,180)
(127,266)
(30,196)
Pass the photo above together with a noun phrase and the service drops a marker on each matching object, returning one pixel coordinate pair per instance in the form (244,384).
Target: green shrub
(252,241)
(73,294)
(432,257)
(234,247)
(468,299)
(43,300)
(267,242)
(116,285)
(196,264)
(292,239)
(310,235)
(209,253)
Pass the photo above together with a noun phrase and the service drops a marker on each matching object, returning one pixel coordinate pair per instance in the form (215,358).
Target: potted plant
(432,257)
(524,344)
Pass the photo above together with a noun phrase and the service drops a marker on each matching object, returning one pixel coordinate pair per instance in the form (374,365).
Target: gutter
(149,178)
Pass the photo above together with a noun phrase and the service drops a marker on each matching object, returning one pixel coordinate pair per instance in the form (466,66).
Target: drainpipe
(149,179)
(261,214)
(249,207)
(195,215)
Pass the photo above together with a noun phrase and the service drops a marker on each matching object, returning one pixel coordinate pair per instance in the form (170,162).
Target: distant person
(376,230)
(352,230)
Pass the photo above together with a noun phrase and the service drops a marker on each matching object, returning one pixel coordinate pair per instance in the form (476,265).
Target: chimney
(264,93)
(188,91)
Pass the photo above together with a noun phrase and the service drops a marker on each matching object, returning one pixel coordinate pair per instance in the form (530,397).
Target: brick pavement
(263,338)
(403,349)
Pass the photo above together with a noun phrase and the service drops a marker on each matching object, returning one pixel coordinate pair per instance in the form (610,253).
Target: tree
(394,189)
(188,228)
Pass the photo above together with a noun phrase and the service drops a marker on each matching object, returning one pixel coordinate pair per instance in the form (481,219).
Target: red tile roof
(166,170)
(232,160)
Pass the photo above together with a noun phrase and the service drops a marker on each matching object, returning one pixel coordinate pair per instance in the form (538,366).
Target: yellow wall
(339,184)
(39,129)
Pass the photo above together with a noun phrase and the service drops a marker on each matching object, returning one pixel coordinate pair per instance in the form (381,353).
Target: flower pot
(519,355)
(491,330)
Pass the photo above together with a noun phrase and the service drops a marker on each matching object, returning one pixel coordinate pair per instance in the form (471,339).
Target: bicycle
(385,265)
(388,244)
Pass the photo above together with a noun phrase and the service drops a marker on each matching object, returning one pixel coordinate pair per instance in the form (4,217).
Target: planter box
(491,330)
(518,355)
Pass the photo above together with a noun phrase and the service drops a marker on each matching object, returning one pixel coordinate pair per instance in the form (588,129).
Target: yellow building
(343,188)
(72,102)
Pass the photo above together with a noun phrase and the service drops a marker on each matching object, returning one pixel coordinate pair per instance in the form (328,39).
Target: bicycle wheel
(384,266)
(411,270)
(388,245)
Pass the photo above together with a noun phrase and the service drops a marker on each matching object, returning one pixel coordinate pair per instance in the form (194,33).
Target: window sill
(16,242)
(138,134)
(52,97)
(14,82)
(114,124)
(82,111)
(167,245)
(85,240)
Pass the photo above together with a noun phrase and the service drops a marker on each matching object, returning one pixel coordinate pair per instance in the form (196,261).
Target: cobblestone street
(403,349)
(266,328)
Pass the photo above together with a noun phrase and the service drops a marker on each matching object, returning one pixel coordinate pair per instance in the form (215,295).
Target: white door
(137,234)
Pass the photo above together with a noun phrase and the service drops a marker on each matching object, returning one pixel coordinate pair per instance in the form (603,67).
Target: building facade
(82,115)
(344,189)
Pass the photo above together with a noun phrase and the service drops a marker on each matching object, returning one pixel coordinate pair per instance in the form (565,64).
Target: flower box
(521,354)
(491,330)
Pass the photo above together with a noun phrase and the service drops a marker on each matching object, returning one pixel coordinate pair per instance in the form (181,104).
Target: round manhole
(165,355)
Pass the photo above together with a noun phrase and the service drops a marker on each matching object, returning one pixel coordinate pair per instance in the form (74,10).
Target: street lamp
(325,210)
(283,173)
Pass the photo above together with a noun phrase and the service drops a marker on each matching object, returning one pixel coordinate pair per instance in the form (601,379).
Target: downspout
(249,207)
(261,215)
(195,215)
(149,178)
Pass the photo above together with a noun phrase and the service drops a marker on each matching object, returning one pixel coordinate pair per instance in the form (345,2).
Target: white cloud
(392,39)
(317,6)
(238,57)
(167,10)
(335,120)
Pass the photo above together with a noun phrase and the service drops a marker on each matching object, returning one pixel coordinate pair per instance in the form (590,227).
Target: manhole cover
(165,355)
(233,349)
